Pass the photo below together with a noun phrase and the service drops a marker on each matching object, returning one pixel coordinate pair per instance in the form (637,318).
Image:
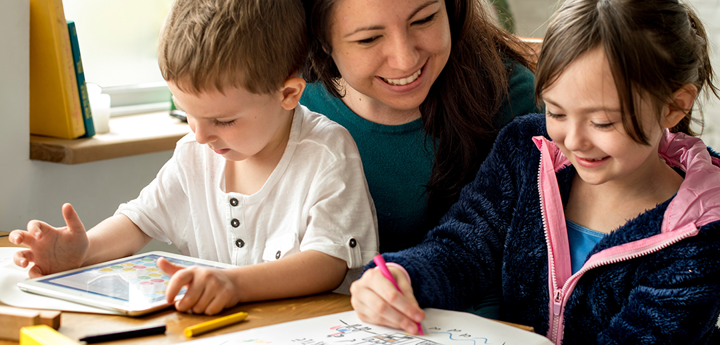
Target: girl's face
(583,119)
(391,52)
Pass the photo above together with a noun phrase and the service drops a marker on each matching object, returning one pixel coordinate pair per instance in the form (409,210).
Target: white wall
(532,16)
(37,190)
(709,12)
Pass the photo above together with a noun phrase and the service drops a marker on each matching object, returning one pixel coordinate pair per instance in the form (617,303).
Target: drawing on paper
(357,334)
(441,327)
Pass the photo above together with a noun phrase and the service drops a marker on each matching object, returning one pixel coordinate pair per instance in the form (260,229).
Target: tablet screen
(137,279)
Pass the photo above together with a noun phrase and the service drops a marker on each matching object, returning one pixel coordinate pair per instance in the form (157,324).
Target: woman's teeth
(404,81)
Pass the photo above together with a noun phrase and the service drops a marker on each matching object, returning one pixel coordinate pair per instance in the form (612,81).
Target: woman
(423,86)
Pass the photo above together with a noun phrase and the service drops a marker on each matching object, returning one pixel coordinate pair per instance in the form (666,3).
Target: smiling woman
(423,86)
(389,65)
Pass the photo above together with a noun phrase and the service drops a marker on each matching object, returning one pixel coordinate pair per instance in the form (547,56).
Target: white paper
(440,327)
(10,294)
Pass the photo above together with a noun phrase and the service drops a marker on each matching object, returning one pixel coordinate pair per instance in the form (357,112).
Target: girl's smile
(590,162)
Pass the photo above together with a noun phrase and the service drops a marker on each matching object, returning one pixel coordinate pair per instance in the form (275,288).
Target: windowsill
(128,136)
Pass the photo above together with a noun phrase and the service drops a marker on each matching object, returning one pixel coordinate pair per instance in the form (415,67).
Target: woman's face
(391,52)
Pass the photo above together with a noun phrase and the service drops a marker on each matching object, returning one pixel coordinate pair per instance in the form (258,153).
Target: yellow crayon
(43,335)
(214,324)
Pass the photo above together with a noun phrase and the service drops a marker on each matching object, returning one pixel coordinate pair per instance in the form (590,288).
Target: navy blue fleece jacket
(494,236)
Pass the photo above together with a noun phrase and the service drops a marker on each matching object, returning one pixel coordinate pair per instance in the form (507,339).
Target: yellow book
(55,108)
(43,335)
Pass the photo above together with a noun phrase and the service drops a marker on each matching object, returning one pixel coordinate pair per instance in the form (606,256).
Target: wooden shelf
(128,136)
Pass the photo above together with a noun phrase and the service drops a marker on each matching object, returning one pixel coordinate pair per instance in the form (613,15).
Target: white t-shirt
(316,198)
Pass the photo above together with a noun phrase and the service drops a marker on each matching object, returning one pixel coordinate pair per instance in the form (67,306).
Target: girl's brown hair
(460,120)
(653,47)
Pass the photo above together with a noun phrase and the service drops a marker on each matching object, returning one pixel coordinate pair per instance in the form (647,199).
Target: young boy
(261,183)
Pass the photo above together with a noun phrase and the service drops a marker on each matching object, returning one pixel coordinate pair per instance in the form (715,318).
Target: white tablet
(133,285)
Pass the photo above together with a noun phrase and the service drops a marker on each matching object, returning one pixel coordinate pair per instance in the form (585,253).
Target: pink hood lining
(698,200)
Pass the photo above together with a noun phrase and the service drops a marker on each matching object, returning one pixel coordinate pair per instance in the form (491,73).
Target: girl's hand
(377,301)
(52,249)
(209,290)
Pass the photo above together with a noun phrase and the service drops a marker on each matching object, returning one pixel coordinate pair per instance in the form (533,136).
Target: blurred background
(118,39)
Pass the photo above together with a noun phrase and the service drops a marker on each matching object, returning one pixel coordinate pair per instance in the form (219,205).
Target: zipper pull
(557,303)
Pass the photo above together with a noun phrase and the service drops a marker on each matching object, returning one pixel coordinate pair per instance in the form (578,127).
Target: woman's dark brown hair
(460,120)
(653,47)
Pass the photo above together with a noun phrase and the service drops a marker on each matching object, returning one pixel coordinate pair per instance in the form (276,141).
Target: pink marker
(380,263)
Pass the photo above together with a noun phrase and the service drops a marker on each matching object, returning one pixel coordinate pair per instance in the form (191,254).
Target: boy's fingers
(201,304)
(35,229)
(179,279)
(167,266)
(216,306)
(72,219)
(19,237)
(176,283)
(192,295)
(23,258)
(35,272)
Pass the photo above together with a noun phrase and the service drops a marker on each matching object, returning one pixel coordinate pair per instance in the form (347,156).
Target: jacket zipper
(561,294)
(557,303)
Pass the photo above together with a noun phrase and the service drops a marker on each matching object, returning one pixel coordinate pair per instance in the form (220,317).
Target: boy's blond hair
(210,45)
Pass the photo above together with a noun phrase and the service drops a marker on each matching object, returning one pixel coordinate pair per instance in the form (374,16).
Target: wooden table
(78,325)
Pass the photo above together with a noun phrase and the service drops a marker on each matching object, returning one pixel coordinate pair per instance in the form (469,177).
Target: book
(80,77)
(55,108)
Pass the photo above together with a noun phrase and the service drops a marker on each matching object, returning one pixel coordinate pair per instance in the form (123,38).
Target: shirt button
(239,243)
(277,255)
(352,243)
(235,223)
(234,202)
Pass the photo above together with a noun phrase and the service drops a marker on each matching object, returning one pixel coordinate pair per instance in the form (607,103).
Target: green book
(82,87)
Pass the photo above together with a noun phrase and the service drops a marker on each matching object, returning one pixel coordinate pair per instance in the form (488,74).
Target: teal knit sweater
(398,159)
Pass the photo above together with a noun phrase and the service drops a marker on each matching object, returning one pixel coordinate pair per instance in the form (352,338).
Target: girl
(609,232)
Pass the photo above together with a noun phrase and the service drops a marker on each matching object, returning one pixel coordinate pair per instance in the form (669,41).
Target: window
(118,41)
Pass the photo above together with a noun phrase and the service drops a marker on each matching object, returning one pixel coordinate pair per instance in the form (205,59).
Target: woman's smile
(403,81)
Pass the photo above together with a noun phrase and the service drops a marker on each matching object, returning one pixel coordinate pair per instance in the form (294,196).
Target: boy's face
(236,124)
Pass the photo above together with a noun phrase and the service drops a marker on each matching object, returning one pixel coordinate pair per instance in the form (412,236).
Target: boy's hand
(52,249)
(209,290)
(377,301)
